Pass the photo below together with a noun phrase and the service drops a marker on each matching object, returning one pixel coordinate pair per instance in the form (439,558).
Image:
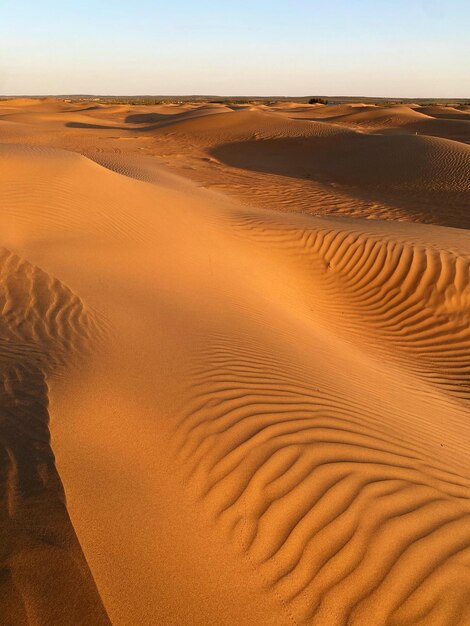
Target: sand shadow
(396,170)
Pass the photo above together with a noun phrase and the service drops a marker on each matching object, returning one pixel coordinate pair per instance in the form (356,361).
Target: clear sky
(402,48)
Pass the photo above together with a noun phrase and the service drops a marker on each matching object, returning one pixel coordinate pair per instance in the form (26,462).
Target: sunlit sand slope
(326,445)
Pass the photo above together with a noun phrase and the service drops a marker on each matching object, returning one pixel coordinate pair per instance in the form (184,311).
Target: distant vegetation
(132,101)
(237,100)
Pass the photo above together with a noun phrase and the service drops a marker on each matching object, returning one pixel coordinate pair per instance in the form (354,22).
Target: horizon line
(251,96)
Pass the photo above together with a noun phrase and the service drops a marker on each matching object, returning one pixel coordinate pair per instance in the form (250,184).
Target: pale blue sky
(227,47)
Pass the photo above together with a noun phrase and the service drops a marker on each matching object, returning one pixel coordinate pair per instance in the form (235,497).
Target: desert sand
(235,364)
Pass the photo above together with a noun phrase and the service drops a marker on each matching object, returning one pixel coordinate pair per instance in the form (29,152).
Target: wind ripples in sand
(346,521)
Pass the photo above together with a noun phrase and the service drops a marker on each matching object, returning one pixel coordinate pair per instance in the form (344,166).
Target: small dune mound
(448,112)
(36,104)
(381,117)
(207,131)
(332,111)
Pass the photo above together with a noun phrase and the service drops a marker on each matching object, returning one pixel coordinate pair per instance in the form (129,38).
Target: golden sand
(235,358)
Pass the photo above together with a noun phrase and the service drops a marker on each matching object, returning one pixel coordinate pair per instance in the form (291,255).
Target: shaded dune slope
(421,175)
(42,325)
(461,113)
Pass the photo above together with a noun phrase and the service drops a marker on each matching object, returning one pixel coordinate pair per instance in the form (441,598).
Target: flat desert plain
(235,364)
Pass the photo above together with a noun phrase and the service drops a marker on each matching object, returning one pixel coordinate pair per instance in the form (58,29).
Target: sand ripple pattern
(346,511)
(410,294)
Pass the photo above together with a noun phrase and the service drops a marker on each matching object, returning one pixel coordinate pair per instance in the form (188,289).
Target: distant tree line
(318,101)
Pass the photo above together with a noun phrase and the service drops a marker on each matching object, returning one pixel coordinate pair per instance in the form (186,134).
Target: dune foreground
(235,364)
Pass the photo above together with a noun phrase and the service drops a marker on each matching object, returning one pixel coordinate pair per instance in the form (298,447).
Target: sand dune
(450,113)
(423,176)
(380,117)
(444,122)
(219,412)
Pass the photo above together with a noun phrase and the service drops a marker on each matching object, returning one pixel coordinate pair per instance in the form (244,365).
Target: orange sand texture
(235,364)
